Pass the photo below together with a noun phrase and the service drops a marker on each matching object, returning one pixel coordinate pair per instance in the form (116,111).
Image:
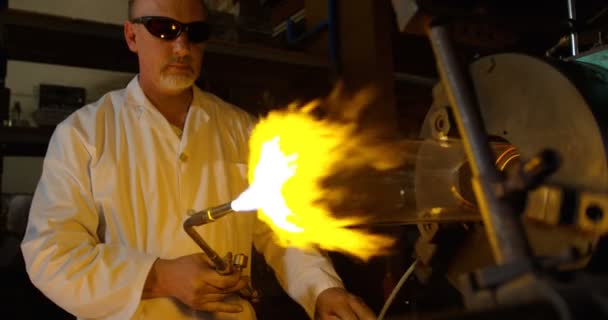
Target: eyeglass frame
(143,20)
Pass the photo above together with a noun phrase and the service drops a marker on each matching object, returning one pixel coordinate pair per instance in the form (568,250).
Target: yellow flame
(292,152)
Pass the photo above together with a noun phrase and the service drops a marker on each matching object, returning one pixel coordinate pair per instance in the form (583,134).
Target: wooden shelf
(59,40)
(29,141)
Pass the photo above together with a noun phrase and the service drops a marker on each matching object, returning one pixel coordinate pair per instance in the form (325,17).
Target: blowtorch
(229,263)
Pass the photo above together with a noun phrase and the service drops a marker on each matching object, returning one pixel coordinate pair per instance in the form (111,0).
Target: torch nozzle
(208,215)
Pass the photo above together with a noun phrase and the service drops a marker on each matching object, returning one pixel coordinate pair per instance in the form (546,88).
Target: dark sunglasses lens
(198,32)
(163,28)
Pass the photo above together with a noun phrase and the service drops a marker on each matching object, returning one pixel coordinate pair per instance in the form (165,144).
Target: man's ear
(129,31)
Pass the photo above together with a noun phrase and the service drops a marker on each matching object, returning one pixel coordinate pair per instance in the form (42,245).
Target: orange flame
(292,152)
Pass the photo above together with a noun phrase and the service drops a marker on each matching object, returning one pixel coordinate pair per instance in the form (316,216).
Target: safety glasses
(170,29)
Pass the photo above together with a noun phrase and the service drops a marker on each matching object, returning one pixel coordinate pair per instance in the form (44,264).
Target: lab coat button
(183,157)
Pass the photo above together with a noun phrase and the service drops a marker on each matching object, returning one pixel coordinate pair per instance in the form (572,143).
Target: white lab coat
(116,186)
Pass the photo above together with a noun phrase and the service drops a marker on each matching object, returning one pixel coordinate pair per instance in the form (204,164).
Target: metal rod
(573,34)
(415,79)
(503,226)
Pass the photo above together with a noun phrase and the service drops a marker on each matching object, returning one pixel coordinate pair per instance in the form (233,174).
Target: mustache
(187,60)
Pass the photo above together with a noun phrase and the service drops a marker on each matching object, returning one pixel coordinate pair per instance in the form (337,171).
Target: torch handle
(220,265)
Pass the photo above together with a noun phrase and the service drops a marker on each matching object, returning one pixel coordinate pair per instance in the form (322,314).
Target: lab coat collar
(135,98)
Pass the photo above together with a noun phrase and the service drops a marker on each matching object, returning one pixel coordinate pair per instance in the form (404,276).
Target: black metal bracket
(331,25)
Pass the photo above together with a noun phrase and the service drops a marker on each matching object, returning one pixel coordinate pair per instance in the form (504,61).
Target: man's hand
(337,303)
(192,280)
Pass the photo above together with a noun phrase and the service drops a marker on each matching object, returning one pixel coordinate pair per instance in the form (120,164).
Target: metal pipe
(573,34)
(503,226)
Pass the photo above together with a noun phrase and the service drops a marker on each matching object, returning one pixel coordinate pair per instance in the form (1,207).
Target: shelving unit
(58,40)
(228,67)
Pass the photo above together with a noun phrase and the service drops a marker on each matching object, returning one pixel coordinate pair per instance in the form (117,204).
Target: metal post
(503,226)
(573,34)
(332,28)
(4,93)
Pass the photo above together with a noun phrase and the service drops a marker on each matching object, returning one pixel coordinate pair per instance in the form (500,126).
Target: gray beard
(176,82)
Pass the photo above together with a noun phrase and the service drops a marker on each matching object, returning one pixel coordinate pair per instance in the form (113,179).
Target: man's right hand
(193,280)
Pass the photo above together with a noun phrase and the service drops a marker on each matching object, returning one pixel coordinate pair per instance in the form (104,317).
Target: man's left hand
(339,304)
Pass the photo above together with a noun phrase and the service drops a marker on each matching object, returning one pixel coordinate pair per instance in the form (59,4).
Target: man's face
(168,66)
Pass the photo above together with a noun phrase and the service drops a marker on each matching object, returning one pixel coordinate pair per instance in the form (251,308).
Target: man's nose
(181,45)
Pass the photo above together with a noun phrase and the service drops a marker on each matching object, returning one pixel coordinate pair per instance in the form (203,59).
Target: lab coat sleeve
(64,256)
(302,274)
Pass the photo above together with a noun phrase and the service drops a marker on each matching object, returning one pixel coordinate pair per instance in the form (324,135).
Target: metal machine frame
(520,284)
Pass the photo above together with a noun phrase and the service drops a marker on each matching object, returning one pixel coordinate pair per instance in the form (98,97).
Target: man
(105,238)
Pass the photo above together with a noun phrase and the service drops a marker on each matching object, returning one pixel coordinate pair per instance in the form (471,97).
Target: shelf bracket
(331,25)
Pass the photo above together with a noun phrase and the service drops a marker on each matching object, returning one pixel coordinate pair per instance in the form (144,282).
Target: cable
(393,294)
(597,16)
